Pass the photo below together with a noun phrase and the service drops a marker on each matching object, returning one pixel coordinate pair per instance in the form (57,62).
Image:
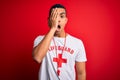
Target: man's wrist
(53,29)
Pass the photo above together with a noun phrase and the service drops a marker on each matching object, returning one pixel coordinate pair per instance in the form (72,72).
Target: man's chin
(57,32)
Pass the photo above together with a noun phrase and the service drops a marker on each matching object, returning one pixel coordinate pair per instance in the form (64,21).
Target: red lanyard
(58,71)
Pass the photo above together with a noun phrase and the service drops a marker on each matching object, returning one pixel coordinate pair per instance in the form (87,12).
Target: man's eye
(62,16)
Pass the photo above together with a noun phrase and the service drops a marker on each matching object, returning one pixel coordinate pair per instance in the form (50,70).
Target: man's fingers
(54,17)
(54,14)
(51,15)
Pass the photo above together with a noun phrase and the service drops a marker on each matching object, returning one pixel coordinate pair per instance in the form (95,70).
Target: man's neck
(62,34)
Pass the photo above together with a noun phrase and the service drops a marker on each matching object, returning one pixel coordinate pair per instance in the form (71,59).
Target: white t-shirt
(63,63)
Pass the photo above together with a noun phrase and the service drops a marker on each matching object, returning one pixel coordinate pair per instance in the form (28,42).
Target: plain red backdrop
(96,22)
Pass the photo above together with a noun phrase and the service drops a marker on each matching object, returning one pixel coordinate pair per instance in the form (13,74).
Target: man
(58,52)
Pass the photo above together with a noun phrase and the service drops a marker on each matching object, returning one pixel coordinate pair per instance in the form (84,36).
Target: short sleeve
(37,40)
(81,54)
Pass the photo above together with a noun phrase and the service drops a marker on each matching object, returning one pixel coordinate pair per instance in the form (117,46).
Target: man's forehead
(61,11)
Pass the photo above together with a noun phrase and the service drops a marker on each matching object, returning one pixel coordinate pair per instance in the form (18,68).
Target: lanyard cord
(56,46)
(56,50)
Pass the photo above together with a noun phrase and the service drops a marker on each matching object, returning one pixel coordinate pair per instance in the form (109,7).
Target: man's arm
(81,70)
(41,49)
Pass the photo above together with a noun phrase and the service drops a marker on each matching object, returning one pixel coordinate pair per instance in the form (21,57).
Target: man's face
(62,19)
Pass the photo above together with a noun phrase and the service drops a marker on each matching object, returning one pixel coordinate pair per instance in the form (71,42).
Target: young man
(59,52)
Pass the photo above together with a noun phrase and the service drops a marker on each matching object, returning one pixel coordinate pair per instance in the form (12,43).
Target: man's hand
(53,20)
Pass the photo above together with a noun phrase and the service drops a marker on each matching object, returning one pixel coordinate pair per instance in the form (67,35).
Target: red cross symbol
(59,61)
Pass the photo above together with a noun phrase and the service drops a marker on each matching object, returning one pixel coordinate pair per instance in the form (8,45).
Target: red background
(96,22)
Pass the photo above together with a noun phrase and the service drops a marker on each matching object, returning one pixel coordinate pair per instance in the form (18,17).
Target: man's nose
(59,21)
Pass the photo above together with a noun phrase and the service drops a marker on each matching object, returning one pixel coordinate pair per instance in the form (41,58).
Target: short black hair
(56,6)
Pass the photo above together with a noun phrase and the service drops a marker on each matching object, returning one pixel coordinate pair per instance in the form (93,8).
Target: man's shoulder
(75,42)
(73,38)
(39,37)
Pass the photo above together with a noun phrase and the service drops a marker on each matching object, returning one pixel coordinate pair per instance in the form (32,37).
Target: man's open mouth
(59,26)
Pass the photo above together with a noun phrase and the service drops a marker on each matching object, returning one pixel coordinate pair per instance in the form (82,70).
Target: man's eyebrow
(62,13)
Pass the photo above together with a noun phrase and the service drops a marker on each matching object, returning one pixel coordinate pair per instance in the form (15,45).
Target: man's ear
(66,20)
